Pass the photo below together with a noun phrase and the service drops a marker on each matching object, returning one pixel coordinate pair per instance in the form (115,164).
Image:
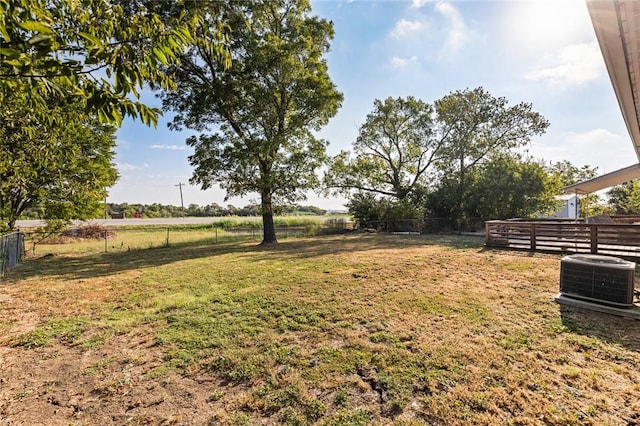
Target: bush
(402,216)
(367,210)
(88,232)
(389,215)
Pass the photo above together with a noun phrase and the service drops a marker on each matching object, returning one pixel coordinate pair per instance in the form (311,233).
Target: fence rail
(423,226)
(622,240)
(93,239)
(11,251)
(96,238)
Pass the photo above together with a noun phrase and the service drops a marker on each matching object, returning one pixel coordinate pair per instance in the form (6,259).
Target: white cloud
(574,65)
(398,62)
(597,147)
(458,34)
(125,167)
(594,138)
(451,27)
(417,4)
(170,147)
(404,28)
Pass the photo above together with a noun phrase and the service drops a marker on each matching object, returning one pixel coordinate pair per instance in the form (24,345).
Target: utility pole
(181,202)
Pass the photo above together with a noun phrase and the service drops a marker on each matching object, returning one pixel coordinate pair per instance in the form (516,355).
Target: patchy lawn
(340,330)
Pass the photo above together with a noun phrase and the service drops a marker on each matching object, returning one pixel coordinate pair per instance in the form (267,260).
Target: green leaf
(35,26)
(161,57)
(13,62)
(39,38)
(4,33)
(9,53)
(90,38)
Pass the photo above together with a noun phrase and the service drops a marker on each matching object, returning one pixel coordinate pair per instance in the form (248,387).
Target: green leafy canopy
(257,116)
(61,170)
(397,147)
(97,53)
(410,150)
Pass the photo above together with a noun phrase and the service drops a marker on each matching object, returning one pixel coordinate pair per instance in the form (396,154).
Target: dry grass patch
(359,329)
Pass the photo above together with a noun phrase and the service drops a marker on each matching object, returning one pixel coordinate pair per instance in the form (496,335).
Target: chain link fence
(11,251)
(435,225)
(93,239)
(96,238)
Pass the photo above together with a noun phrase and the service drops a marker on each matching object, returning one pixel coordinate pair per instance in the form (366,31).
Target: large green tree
(256,118)
(476,125)
(62,169)
(507,186)
(98,53)
(624,199)
(568,173)
(394,152)
(408,149)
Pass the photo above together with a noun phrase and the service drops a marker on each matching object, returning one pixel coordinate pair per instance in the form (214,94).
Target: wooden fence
(621,240)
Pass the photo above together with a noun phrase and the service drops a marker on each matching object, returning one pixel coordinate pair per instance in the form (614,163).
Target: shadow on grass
(335,244)
(605,327)
(105,264)
(514,251)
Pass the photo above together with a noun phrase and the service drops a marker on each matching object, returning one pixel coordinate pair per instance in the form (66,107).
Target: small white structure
(570,206)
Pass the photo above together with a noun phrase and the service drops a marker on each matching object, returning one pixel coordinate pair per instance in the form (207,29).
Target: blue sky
(541,52)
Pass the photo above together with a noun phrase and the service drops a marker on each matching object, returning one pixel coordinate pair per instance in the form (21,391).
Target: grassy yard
(131,238)
(335,330)
(135,237)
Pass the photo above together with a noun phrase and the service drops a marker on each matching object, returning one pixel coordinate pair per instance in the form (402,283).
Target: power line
(181,202)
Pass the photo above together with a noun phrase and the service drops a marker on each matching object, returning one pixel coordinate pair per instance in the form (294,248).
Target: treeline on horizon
(157,210)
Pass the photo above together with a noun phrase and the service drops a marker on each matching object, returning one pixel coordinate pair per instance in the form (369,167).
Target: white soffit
(604,181)
(617,27)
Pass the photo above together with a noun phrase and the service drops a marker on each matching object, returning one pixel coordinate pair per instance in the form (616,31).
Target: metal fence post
(19,246)
(3,256)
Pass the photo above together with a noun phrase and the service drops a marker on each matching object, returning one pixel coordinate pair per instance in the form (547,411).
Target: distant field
(21,224)
(144,234)
(337,330)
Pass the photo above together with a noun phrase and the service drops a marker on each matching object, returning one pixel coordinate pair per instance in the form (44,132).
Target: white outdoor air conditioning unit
(602,279)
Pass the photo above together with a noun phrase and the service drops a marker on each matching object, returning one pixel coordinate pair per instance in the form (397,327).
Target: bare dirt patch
(61,385)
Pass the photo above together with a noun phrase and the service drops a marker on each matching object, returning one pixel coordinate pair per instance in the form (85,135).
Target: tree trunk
(269,229)
(460,214)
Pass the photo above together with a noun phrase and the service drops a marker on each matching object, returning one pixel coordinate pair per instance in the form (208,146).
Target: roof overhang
(617,27)
(604,181)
